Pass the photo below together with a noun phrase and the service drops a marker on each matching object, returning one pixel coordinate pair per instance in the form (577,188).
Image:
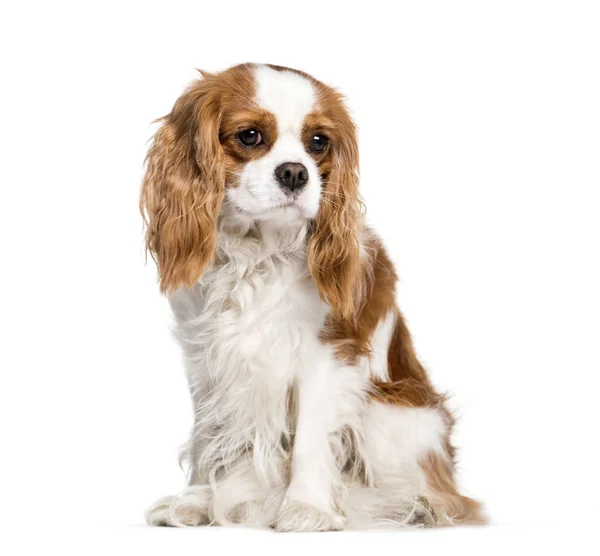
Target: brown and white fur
(312,411)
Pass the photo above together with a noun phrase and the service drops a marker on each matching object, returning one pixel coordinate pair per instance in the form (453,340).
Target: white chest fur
(247,328)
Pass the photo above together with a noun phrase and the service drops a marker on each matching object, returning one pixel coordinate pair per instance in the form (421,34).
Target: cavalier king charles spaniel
(311,410)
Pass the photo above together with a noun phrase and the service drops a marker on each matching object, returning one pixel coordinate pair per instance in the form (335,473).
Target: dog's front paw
(299,516)
(188,509)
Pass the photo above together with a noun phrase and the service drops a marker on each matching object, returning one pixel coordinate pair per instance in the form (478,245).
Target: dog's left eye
(318,143)
(249,137)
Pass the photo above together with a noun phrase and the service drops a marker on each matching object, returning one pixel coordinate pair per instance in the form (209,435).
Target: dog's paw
(299,516)
(159,514)
(188,509)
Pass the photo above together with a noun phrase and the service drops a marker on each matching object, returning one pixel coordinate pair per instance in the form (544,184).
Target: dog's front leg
(309,504)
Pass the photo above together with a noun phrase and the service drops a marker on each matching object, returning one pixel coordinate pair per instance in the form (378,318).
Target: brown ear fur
(334,249)
(183,188)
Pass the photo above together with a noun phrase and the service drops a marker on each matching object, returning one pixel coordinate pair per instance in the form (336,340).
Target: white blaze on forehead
(287,95)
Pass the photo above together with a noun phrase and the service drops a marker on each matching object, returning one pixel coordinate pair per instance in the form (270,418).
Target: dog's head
(270,144)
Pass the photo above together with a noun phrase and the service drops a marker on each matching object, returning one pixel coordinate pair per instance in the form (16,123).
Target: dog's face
(277,149)
(265,143)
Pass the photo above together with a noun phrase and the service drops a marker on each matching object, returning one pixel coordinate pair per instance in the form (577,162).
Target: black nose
(292,175)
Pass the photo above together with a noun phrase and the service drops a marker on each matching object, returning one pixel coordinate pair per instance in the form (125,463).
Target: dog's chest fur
(246,328)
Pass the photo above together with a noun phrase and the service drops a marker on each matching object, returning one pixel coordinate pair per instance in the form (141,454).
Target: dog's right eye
(249,138)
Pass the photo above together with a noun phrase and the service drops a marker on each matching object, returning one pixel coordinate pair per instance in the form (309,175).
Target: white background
(480,140)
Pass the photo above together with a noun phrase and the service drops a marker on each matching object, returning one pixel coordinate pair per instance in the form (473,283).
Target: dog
(311,409)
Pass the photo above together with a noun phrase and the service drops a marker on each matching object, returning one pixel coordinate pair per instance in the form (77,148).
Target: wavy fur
(334,248)
(183,187)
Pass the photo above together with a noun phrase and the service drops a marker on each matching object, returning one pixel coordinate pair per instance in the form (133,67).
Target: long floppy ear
(183,188)
(334,247)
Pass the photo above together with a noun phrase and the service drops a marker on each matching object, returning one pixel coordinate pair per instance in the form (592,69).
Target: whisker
(358,200)
(325,200)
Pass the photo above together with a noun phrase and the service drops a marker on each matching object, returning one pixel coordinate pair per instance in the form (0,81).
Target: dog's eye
(318,143)
(249,138)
